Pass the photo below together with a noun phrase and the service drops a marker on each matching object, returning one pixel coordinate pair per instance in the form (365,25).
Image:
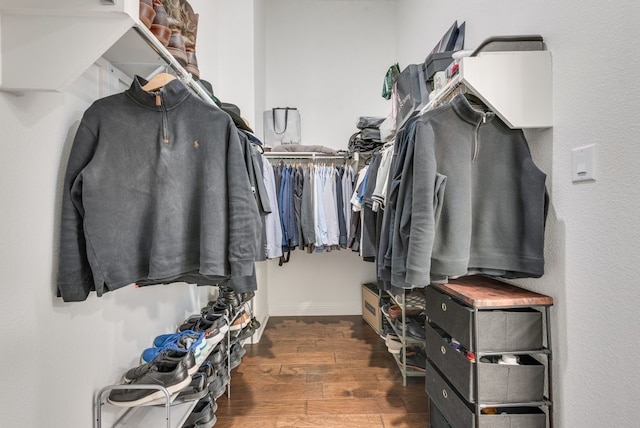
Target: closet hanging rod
(303,155)
(172,63)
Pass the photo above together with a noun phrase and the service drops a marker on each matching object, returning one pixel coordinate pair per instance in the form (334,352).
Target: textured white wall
(592,247)
(56,355)
(328,59)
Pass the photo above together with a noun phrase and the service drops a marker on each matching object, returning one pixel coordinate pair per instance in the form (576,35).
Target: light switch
(583,163)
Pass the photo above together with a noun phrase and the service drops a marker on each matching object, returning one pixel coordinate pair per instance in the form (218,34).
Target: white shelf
(517,86)
(47,44)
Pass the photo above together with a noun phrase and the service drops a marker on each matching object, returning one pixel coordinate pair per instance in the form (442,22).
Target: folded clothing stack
(368,137)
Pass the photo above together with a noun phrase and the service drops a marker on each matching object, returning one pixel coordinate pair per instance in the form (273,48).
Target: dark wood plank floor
(321,372)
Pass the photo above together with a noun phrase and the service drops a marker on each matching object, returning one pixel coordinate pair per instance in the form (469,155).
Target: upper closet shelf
(515,85)
(46,45)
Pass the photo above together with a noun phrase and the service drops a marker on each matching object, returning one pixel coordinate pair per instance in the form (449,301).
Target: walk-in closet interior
(328,59)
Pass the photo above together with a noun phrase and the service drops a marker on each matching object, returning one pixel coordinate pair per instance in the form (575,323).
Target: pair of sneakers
(187,340)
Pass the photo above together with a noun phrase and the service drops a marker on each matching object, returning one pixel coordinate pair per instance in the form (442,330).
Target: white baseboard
(314,310)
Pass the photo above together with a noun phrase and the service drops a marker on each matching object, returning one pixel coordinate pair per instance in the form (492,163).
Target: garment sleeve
(244,220)
(75,279)
(423,210)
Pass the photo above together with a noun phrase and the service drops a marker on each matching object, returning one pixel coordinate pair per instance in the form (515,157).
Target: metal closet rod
(172,63)
(303,155)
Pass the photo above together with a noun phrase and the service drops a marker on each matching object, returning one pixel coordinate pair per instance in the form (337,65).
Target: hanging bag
(282,126)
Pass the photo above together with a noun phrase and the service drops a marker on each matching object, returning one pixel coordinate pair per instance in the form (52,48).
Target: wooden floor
(330,372)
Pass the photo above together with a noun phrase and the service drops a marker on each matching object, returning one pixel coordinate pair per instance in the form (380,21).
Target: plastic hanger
(158,81)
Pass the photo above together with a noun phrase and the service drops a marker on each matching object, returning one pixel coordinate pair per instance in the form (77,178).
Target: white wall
(592,249)
(231,57)
(328,59)
(56,355)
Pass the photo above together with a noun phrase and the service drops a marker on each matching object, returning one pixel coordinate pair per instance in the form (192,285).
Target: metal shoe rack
(413,298)
(170,414)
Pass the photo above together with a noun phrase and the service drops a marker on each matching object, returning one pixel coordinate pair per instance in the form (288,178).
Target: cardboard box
(371,306)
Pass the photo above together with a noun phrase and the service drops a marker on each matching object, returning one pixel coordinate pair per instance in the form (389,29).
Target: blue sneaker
(165,339)
(185,340)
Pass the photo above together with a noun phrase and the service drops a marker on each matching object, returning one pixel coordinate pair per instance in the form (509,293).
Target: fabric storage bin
(371,312)
(499,330)
(497,382)
(436,419)
(458,413)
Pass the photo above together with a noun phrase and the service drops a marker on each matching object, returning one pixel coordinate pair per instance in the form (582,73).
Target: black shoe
(416,358)
(216,358)
(203,415)
(256,324)
(235,358)
(171,375)
(199,324)
(246,332)
(415,329)
(246,297)
(208,370)
(170,355)
(221,347)
(197,389)
(219,385)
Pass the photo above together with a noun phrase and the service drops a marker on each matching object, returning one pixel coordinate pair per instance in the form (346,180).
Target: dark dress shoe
(203,415)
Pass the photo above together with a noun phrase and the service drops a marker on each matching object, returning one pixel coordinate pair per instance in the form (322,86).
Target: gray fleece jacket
(156,190)
(475,201)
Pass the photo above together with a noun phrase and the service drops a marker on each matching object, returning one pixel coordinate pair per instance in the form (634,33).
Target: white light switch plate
(583,163)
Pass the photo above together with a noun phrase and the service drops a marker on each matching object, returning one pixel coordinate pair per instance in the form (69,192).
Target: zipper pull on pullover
(165,131)
(476,142)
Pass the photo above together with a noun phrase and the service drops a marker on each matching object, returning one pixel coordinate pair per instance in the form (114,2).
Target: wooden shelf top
(482,292)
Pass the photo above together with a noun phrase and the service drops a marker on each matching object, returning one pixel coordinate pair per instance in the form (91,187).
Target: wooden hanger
(158,81)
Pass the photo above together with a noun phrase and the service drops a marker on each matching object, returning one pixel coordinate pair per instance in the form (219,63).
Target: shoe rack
(415,298)
(171,413)
(46,45)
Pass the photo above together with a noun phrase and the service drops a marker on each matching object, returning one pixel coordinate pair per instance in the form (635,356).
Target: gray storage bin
(499,330)
(436,418)
(459,415)
(497,383)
